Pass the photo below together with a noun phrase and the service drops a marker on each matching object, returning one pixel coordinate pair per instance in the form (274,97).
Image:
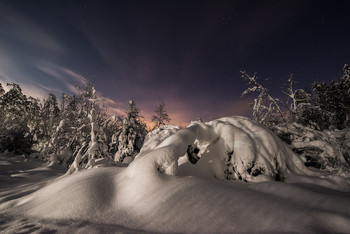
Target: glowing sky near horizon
(187,54)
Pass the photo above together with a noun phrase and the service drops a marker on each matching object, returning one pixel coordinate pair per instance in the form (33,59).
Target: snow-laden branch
(265,105)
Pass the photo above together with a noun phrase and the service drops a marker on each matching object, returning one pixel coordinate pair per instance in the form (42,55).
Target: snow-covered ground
(161,191)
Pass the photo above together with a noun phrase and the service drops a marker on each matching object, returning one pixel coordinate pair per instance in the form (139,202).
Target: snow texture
(161,191)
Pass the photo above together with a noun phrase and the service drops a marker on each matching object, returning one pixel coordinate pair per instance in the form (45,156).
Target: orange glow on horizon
(181,115)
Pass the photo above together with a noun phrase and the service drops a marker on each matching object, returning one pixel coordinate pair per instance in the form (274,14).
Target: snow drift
(232,148)
(162,191)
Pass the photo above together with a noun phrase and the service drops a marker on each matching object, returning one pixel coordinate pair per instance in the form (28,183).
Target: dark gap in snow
(228,173)
(249,170)
(192,154)
(312,162)
(258,171)
(311,155)
(286,137)
(279,177)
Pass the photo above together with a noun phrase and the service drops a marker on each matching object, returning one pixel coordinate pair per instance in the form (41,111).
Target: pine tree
(334,100)
(97,144)
(50,116)
(34,120)
(14,132)
(132,134)
(112,129)
(160,117)
(94,145)
(2,90)
(63,139)
(2,109)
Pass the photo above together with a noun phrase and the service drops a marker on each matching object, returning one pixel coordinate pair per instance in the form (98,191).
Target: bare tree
(265,106)
(160,117)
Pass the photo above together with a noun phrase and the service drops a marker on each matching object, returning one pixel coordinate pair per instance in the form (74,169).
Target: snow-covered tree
(132,134)
(112,129)
(310,121)
(34,120)
(266,109)
(95,143)
(2,90)
(2,109)
(79,138)
(49,115)
(65,138)
(14,131)
(300,107)
(161,117)
(334,100)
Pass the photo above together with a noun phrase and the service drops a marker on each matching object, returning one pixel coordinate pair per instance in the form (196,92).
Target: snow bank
(161,191)
(232,148)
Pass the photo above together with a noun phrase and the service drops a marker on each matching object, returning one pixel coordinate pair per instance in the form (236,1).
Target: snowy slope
(160,191)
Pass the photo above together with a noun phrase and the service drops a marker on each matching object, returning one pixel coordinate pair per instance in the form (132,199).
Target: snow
(161,191)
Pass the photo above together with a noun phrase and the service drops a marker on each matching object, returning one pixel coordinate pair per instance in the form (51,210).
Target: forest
(77,130)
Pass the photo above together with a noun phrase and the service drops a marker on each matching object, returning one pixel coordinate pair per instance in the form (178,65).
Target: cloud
(22,44)
(54,78)
(113,108)
(11,72)
(17,27)
(66,77)
(36,91)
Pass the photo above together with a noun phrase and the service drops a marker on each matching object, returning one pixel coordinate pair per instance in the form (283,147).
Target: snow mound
(228,148)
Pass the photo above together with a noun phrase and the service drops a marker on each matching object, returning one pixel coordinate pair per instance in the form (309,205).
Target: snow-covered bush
(327,149)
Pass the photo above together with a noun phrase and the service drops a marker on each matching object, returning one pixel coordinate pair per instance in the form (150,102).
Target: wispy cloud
(66,77)
(22,44)
(113,107)
(17,27)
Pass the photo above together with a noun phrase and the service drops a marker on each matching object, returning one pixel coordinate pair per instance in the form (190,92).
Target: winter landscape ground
(163,191)
(112,116)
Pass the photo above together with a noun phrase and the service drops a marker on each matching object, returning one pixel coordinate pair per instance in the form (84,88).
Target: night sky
(187,54)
